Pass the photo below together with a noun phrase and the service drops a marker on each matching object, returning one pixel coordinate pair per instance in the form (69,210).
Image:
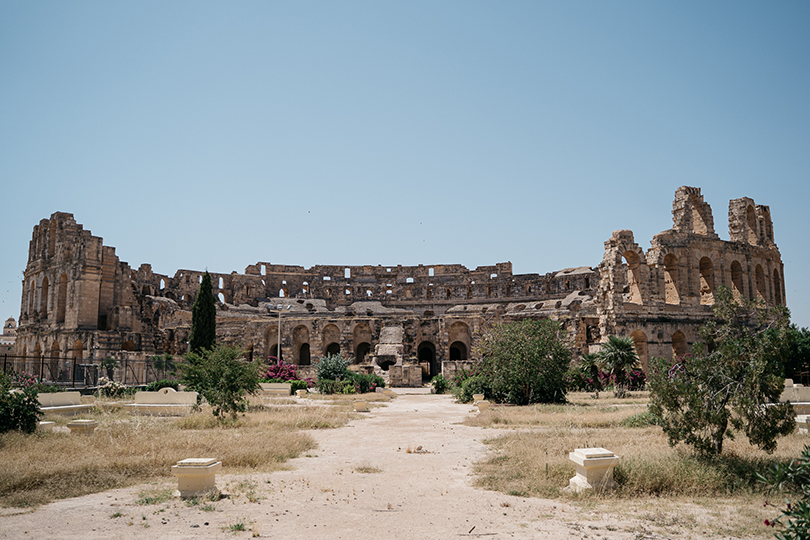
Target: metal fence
(82,372)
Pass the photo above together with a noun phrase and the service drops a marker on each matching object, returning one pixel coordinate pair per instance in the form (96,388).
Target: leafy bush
(367,383)
(334,367)
(791,478)
(109,365)
(330,386)
(723,388)
(636,380)
(19,408)
(477,384)
(223,377)
(164,383)
(298,385)
(440,384)
(109,388)
(280,371)
(525,361)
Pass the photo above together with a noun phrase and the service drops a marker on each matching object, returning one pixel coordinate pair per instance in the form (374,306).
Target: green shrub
(477,384)
(298,385)
(525,361)
(19,410)
(223,377)
(642,419)
(440,384)
(334,367)
(367,383)
(164,383)
(329,386)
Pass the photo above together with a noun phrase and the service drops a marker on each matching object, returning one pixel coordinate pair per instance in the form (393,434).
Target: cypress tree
(203,318)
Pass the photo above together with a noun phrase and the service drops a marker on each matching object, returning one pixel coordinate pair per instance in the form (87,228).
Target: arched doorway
(332,349)
(361,352)
(458,351)
(678,344)
(427,355)
(303,355)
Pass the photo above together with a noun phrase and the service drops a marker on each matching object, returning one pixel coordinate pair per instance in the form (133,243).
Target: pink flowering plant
(279,371)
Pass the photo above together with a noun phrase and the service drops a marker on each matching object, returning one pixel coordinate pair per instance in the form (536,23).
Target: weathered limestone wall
(80,301)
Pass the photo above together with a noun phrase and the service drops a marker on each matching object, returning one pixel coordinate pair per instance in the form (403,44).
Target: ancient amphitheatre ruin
(81,303)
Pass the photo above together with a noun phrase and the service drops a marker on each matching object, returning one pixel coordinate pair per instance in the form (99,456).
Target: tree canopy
(203,318)
(723,387)
(525,361)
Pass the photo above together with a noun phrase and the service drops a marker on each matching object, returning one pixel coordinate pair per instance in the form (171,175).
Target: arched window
(706,281)
(43,299)
(633,277)
(640,341)
(678,344)
(671,283)
(760,279)
(736,280)
(751,220)
(61,299)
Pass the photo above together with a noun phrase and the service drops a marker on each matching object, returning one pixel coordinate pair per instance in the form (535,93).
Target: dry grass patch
(126,450)
(572,415)
(654,480)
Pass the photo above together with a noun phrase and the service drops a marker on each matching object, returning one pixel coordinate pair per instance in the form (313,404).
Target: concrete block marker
(46,426)
(477,398)
(594,469)
(196,477)
(82,427)
(483,405)
(360,406)
(301,393)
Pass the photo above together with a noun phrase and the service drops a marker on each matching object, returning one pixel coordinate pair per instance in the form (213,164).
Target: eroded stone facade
(80,301)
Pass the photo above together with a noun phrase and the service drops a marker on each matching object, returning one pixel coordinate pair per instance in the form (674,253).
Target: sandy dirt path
(424,493)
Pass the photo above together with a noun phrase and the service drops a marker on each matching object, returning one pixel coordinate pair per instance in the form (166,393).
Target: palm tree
(618,356)
(590,363)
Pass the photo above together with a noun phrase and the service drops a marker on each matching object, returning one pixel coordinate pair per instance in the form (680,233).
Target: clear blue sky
(218,134)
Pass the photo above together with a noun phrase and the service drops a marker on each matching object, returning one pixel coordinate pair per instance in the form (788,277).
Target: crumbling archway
(426,352)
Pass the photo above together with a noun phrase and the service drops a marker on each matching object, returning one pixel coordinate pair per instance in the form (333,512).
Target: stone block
(65,403)
(360,406)
(483,405)
(82,427)
(803,424)
(301,393)
(594,469)
(46,426)
(477,398)
(164,402)
(196,476)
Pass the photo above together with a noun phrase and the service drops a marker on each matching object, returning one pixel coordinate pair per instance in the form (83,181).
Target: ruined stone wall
(80,301)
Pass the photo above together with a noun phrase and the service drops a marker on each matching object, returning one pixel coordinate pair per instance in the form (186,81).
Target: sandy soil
(424,493)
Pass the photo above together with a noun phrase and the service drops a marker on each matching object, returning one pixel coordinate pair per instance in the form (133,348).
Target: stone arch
(777,287)
(751,221)
(640,342)
(671,284)
(361,341)
(78,350)
(330,337)
(271,341)
(426,352)
(633,276)
(706,268)
(678,344)
(128,346)
(61,299)
(459,337)
(736,280)
(301,345)
(760,281)
(53,364)
(43,299)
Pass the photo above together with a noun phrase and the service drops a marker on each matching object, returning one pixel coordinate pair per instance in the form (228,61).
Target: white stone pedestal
(483,405)
(46,426)
(82,427)
(594,469)
(301,393)
(360,406)
(477,398)
(196,476)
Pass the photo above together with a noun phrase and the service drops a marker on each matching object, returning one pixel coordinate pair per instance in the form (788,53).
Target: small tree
(203,318)
(793,478)
(725,385)
(617,357)
(223,377)
(525,361)
(334,367)
(109,365)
